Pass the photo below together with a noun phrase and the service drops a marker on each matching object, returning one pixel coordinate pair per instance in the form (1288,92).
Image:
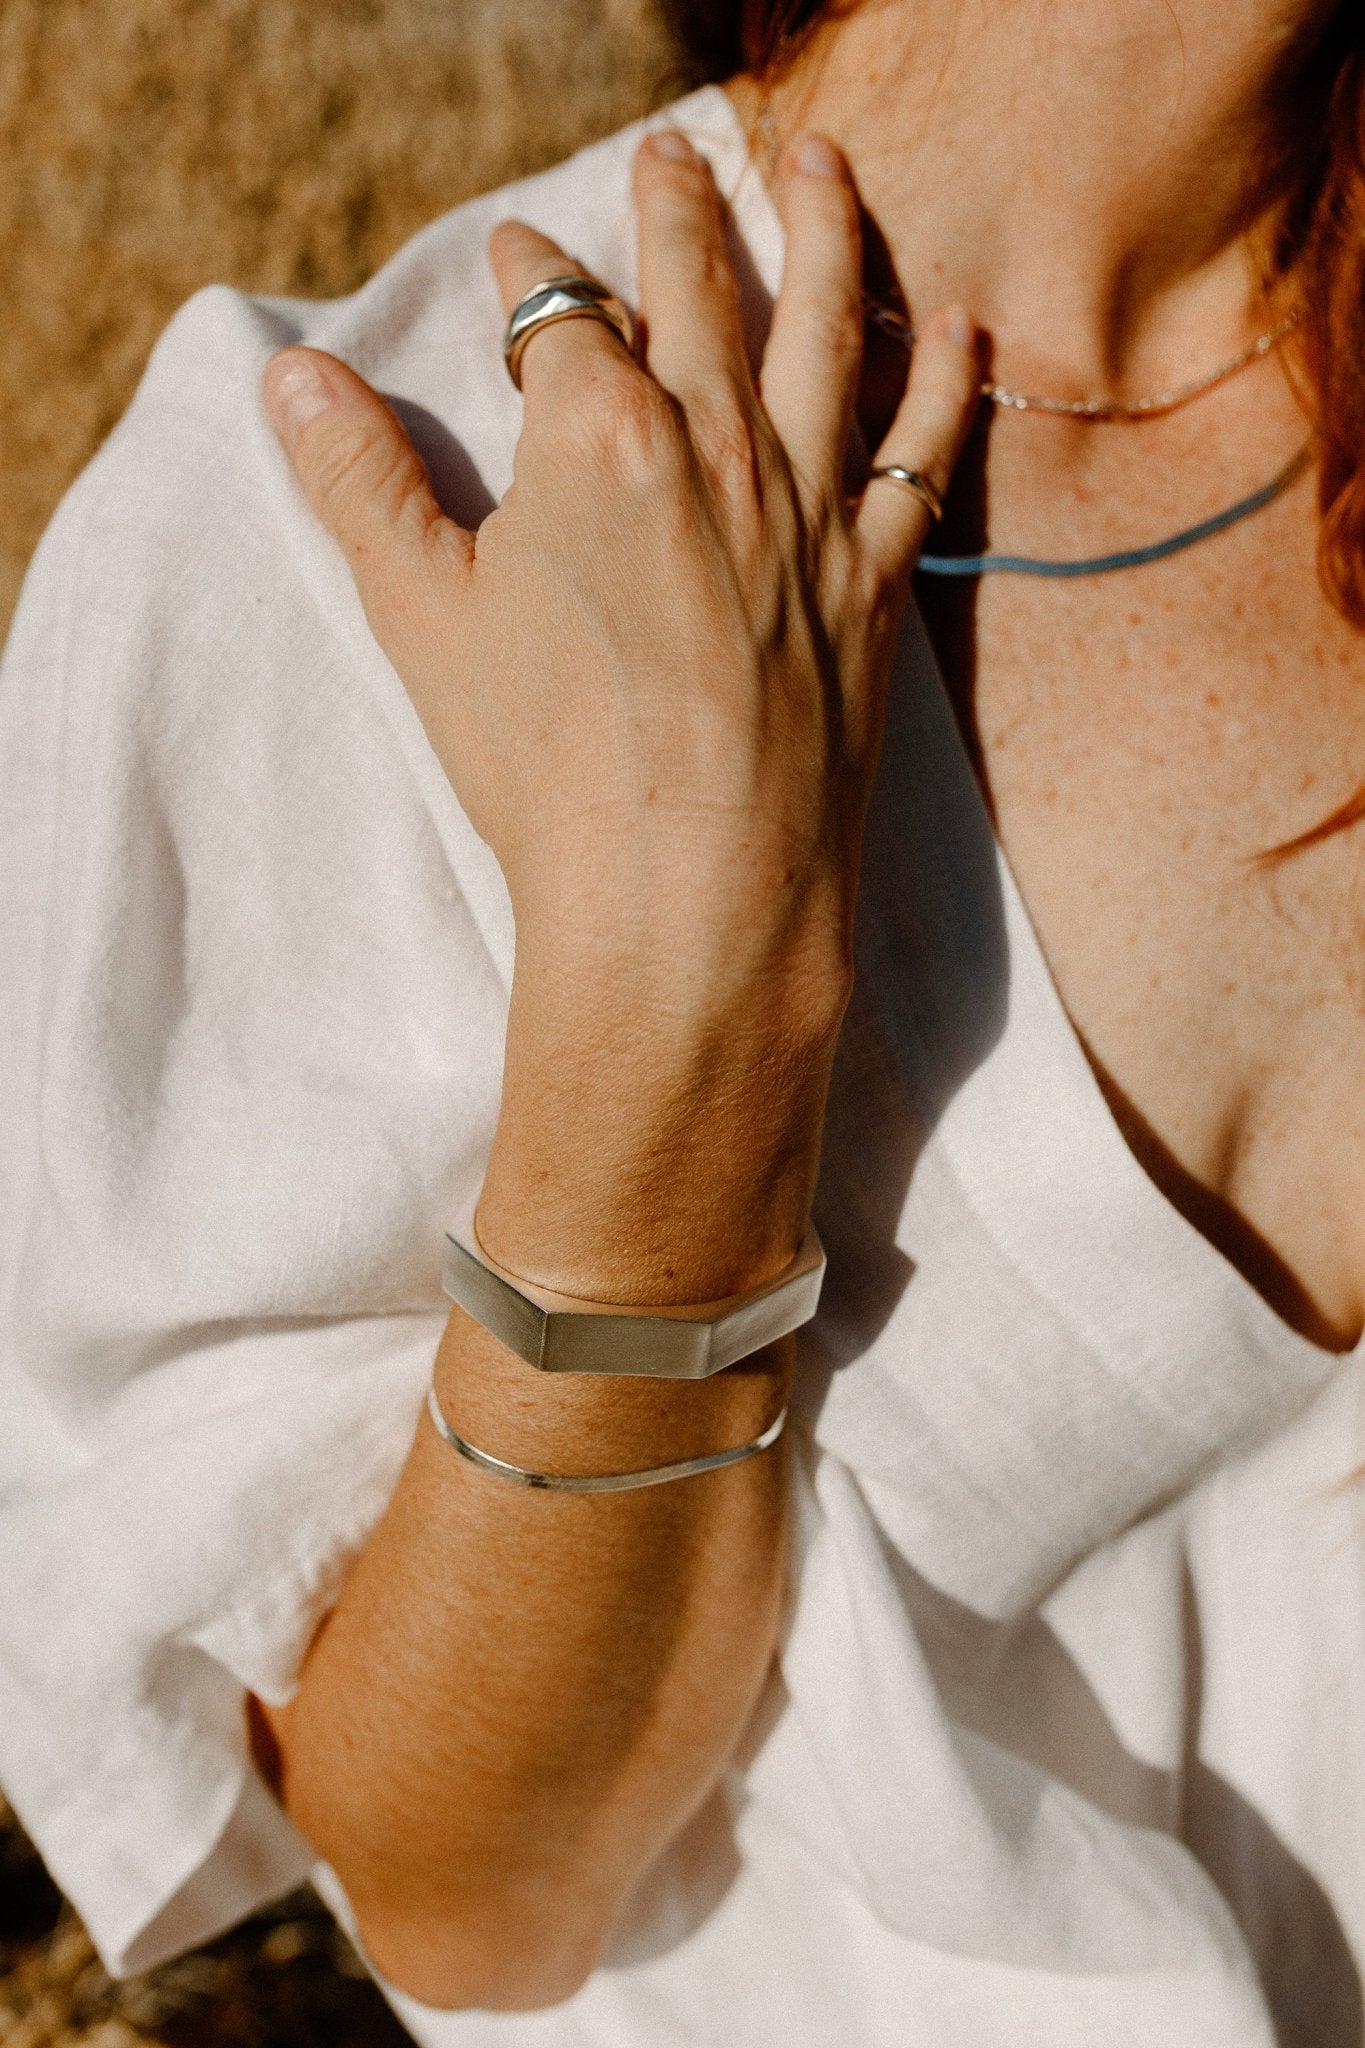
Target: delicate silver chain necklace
(895,324)
(900,329)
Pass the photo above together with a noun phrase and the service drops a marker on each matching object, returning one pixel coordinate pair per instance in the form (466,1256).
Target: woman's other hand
(655,678)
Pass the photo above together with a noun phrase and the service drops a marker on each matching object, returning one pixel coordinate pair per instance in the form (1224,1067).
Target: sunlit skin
(1074,170)
(519,1699)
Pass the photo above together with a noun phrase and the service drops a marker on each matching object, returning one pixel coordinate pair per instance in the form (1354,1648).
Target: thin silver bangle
(600,1482)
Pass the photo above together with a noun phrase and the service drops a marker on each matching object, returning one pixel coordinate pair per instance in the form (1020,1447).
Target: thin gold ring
(913,481)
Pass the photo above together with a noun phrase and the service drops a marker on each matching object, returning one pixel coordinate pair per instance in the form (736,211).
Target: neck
(1076,171)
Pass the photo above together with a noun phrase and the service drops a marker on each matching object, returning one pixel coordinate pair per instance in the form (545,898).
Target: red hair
(1314,182)
(1330,267)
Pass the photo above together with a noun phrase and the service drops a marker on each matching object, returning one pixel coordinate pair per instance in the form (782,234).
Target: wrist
(750,944)
(586,1422)
(653,1154)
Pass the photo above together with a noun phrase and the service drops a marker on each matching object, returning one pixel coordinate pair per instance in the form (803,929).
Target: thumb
(365,481)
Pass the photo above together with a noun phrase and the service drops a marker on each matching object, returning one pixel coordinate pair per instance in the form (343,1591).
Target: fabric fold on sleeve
(147,1593)
(253,1007)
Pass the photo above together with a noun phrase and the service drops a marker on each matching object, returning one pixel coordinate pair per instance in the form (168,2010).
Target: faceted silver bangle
(559,1333)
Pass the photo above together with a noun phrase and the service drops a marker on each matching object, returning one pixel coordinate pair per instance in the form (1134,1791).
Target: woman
(1059,1745)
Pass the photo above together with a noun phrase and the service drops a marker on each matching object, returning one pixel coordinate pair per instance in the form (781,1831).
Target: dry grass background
(287,1979)
(152,146)
(148,147)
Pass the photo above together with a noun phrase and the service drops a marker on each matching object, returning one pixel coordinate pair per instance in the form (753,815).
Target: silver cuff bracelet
(559,1333)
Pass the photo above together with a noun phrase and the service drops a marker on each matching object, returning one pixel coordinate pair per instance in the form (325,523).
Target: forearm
(521,1696)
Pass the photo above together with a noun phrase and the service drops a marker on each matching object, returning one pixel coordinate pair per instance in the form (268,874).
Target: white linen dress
(1066,1742)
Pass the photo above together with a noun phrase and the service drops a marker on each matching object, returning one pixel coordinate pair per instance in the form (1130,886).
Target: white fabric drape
(1065,1744)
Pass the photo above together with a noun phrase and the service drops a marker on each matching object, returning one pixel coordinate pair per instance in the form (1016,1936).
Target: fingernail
(668,142)
(960,325)
(813,154)
(295,393)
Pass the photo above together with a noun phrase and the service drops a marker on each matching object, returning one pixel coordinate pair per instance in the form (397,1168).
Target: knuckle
(679,182)
(834,330)
(711,274)
(690,251)
(819,497)
(682,178)
(365,465)
(730,449)
(825,505)
(685,231)
(626,419)
(865,591)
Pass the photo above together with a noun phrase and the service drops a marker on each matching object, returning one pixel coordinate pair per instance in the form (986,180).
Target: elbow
(455,1948)
(480,1958)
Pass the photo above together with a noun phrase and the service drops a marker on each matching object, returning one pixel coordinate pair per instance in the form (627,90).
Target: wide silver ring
(563,298)
(913,481)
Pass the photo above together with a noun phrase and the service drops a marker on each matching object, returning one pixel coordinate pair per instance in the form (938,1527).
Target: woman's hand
(655,679)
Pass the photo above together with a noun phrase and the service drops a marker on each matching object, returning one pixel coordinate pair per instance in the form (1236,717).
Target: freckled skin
(1138,756)
(1131,807)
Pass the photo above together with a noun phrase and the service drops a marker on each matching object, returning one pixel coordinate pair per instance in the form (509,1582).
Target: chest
(1144,740)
